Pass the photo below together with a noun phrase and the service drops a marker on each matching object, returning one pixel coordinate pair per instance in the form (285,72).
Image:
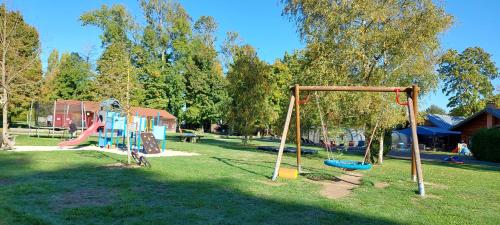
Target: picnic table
(190,137)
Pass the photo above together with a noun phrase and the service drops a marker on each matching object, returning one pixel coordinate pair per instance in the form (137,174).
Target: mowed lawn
(229,184)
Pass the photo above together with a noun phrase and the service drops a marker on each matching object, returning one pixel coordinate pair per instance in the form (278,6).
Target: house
(434,134)
(489,117)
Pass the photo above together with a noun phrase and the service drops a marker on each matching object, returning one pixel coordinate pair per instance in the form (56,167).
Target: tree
(165,55)
(280,79)
(74,79)
(434,109)
(115,62)
(467,79)
(206,93)
(20,65)
(47,87)
(377,43)
(248,89)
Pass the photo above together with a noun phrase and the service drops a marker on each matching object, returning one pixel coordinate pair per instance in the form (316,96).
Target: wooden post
(54,119)
(82,116)
(29,118)
(416,152)
(414,96)
(283,138)
(297,125)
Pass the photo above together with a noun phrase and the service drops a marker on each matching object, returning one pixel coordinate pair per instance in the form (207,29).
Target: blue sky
(259,22)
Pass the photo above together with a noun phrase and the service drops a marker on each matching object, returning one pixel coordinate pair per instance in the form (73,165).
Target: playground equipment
(113,133)
(411,104)
(112,126)
(83,136)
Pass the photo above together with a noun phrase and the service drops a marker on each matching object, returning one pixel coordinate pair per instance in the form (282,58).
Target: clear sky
(259,23)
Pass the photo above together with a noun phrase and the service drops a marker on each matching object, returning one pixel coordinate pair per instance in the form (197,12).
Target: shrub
(486,145)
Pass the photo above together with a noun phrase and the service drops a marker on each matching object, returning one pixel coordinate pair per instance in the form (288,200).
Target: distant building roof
(425,130)
(151,112)
(491,109)
(75,105)
(444,121)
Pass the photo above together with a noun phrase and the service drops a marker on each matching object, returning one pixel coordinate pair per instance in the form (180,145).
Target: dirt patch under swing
(381,185)
(342,186)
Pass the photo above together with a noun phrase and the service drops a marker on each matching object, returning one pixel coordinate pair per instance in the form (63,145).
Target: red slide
(83,136)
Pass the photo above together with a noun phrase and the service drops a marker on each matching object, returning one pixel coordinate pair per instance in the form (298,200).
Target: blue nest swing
(348,164)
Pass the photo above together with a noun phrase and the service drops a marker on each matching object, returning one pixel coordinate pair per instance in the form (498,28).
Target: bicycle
(140,160)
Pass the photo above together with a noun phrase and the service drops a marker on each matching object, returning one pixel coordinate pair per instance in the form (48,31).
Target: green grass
(229,184)
(25,140)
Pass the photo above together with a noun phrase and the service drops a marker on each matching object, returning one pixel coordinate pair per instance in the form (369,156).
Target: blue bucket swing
(348,164)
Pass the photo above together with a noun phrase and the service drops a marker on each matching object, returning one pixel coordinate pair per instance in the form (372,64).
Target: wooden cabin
(486,118)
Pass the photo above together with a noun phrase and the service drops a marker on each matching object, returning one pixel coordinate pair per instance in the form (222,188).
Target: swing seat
(348,164)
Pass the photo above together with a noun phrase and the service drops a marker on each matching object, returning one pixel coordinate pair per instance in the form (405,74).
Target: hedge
(486,145)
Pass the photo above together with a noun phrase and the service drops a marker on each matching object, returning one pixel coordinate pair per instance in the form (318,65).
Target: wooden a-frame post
(283,137)
(414,96)
(297,126)
(416,151)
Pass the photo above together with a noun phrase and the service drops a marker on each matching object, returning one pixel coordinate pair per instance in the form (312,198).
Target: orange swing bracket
(397,90)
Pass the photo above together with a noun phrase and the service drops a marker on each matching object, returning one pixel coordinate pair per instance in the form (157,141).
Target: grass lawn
(25,140)
(229,184)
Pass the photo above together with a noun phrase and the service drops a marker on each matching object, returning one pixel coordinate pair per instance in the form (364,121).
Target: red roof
(94,107)
(151,112)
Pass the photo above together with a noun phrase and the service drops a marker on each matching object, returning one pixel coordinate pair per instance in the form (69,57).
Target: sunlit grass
(228,183)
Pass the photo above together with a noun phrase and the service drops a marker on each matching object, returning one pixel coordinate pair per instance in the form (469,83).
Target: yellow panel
(288,173)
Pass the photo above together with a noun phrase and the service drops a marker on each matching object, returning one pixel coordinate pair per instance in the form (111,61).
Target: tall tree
(281,78)
(115,62)
(206,93)
(165,55)
(47,87)
(74,79)
(248,78)
(20,65)
(467,79)
(378,43)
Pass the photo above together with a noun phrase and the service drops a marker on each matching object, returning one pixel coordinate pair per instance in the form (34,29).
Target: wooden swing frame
(411,104)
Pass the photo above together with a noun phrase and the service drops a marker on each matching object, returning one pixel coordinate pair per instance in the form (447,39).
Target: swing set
(295,101)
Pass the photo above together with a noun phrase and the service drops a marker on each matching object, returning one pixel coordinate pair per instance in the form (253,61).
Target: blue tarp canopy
(429,131)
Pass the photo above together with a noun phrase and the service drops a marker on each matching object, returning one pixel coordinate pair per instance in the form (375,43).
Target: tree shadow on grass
(97,195)
(101,155)
(250,167)
(236,146)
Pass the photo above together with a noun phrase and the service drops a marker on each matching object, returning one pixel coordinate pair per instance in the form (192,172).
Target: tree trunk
(5,106)
(367,157)
(381,149)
